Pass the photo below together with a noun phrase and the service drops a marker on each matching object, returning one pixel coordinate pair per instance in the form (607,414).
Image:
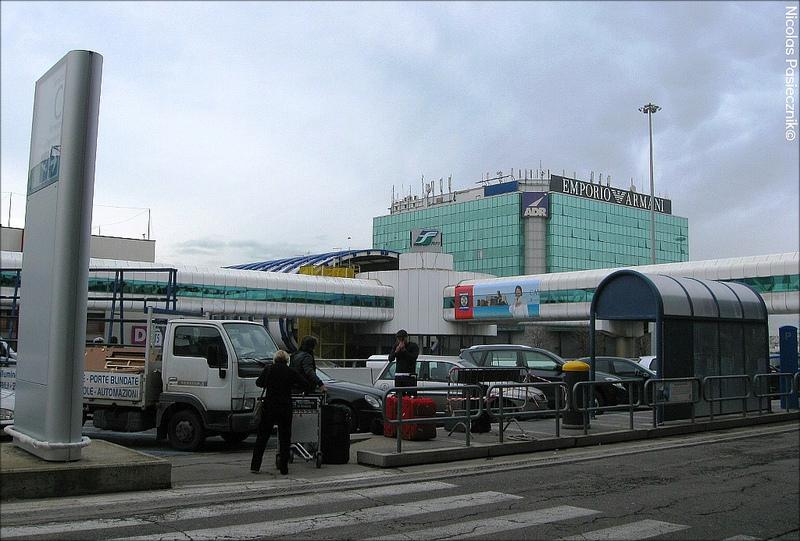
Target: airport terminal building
(535,226)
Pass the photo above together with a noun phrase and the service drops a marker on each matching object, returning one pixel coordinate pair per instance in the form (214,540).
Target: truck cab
(194,378)
(209,370)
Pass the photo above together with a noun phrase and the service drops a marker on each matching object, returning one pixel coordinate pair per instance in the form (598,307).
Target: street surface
(739,485)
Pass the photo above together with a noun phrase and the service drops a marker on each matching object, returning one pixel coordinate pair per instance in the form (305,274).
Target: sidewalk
(108,467)
(540,435)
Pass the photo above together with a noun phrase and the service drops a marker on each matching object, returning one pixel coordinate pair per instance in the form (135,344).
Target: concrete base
(103,467)
(450,453)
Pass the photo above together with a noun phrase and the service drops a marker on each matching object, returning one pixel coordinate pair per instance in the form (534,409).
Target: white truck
(193,378)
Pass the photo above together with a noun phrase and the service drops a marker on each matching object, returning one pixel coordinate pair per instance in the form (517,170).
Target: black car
(363,403)
(623,368)
(543,364)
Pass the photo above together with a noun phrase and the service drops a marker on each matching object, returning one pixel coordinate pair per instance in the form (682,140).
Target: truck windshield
(253,346)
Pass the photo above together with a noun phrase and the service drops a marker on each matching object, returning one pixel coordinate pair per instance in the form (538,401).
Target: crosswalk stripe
(300,525)
(641,529)
(489,527)
(224,509)
(742,537)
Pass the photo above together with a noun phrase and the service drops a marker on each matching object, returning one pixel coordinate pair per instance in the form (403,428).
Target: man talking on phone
(405,352)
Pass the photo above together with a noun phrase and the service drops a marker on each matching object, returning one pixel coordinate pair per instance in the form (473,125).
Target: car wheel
(376,427)
(185,431)
(600,401)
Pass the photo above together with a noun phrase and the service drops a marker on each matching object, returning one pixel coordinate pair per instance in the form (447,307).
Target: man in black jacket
(277,378)
(405,352)
(303,361)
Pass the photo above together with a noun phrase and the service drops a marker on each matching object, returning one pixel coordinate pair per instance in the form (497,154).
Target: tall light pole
(649,109)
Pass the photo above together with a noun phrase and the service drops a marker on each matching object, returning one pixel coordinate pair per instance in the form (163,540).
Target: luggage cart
(306,429)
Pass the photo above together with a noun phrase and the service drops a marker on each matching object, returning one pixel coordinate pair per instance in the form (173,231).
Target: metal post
(630,402)
(399,396)
(558,414)
(649,109)
(586,410)
(468,423)
(502,419)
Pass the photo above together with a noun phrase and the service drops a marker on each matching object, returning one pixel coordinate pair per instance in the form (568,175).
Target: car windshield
(253,345)
(323,376)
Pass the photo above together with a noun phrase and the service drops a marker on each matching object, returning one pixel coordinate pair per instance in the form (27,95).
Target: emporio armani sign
(608,194)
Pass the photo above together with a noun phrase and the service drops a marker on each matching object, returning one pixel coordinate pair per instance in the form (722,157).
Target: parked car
(364,403)
(623,368)
(435,370)
(541,363)
(649,362)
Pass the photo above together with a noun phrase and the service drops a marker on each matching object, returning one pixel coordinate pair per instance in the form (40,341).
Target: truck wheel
(186,431)
(234,437)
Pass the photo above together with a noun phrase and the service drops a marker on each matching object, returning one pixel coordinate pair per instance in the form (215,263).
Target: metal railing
(654,394)
(761,381)
(466,417)
(708,396)
(588,390)
(501,413)
(663,395)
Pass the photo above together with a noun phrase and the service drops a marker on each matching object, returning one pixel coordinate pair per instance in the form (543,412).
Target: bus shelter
(702,328)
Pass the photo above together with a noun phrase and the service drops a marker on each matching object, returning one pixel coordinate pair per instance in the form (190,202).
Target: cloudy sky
(254,131)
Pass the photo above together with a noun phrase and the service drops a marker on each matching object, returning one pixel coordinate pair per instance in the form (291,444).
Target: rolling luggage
(421,407)
(389,429)
(335,444)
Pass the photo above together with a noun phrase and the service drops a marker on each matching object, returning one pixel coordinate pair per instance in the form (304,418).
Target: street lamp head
(649,108)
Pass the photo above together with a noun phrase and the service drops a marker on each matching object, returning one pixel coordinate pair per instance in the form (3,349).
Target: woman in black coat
(303,361)
(278,379)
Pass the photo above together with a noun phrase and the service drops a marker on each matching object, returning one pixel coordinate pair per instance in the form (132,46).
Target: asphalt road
(739,486)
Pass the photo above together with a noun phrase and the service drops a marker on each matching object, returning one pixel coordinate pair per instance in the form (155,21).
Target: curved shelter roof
(367,260)
(631,295)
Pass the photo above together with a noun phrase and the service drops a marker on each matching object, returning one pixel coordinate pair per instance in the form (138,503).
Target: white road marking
(742,537)
(301,525)
(490,526)
(191,513)
(641,529)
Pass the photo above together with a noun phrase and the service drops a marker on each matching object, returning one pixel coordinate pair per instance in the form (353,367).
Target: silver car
(437,371)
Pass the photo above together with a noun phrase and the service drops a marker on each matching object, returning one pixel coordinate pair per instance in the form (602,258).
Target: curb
(483,450)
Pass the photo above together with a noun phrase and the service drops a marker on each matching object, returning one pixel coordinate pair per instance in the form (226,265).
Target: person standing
(304,363)
(405,353)
(277,378)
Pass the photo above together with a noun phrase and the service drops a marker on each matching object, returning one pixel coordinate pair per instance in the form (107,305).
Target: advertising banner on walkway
(503,299)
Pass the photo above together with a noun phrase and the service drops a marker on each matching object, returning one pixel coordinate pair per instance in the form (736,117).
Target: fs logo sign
(535,204)
(426,240)
(425,237)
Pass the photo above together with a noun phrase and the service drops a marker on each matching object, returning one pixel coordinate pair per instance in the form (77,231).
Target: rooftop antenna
(601,179)
(574,174)
(591,177)
(608,180)
(441,189)
(450,184)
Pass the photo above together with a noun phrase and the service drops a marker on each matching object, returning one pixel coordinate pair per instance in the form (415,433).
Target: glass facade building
(490,232)
(585,234)
(483,235)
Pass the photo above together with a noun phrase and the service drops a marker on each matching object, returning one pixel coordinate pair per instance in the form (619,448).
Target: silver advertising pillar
(55,262)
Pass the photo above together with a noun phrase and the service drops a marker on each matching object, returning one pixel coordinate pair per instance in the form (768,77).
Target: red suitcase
(421,407)
(390,429)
